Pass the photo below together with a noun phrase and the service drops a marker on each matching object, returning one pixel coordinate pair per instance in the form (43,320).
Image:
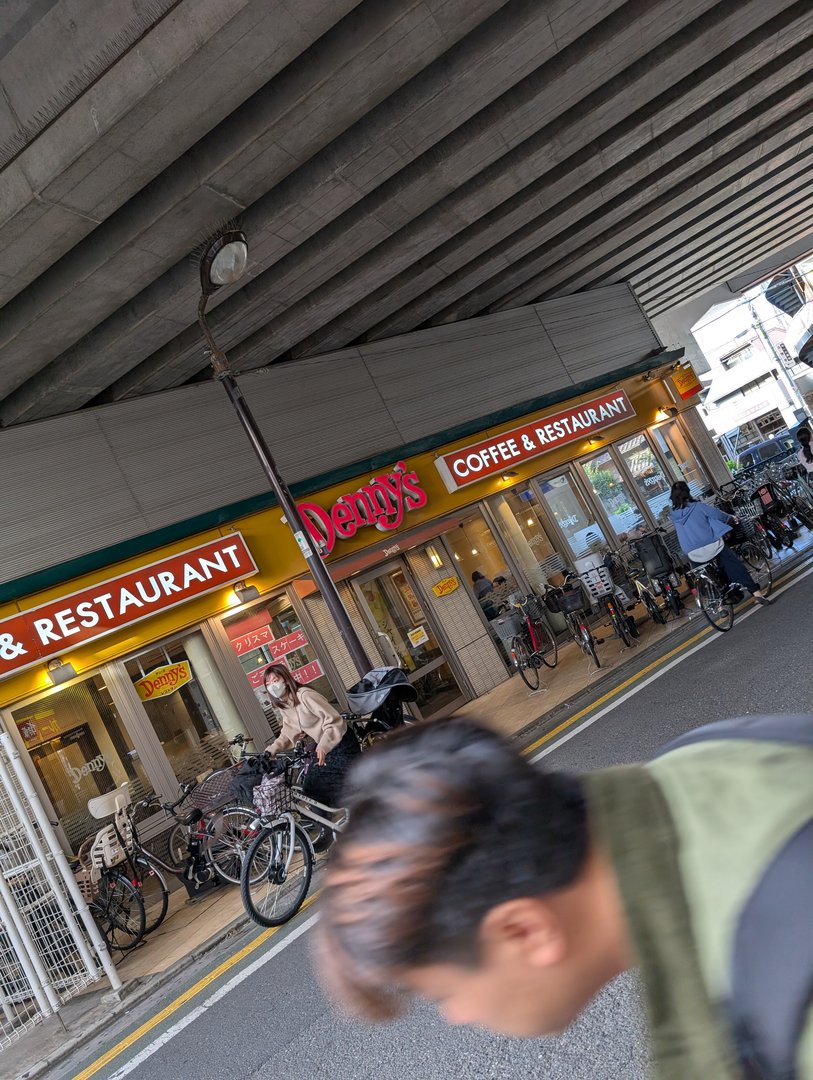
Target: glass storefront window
(476,551)
(647,473)
(522,525)
(680,456)
(272,633)
(80,749)
(572,514)
(187,703)
(612,492)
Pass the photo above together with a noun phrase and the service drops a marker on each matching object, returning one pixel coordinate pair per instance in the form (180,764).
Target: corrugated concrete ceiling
(396,163)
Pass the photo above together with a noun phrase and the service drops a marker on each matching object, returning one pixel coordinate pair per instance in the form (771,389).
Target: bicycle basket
(507,627)
(653,554)
(272,796)
(552,601)
(215,791)
(571,599)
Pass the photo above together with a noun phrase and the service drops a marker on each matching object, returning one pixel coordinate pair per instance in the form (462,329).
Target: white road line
(218,995)
(713,636)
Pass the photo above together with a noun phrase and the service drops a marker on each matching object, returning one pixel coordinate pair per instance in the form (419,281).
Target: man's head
(465,876)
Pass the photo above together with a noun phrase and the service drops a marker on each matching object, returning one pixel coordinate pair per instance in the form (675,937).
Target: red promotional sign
(278,647)
(495,455)
(303,675)
(62,624)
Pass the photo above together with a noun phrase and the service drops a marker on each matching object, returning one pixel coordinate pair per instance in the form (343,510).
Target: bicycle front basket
(571,600)
(272,796)
(507,627)
(215,791)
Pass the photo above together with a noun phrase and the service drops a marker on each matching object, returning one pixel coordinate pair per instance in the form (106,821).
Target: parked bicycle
(601,588)
(569,600)
(278,866)
(530,641)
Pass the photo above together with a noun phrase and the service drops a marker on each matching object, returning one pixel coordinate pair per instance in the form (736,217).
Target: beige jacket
(312,715)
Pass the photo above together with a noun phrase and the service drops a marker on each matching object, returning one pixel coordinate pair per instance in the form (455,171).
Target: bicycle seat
(191,818)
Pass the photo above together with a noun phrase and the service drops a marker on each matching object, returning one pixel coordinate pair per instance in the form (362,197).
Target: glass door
(614,495)
(573,515)
(406,639)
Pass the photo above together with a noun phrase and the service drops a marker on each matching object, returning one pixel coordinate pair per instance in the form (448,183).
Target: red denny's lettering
(382,503)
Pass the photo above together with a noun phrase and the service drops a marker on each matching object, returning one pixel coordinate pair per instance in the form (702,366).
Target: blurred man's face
(529,982)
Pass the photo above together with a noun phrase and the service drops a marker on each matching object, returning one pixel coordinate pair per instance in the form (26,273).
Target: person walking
(510,896)
(700,531)
(805,454)
(307,714)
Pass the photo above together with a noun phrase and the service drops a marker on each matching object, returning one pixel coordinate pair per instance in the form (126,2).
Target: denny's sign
(495,455)
(382,503)
(62,624)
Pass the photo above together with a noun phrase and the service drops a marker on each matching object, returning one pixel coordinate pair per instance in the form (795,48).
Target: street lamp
(222,263)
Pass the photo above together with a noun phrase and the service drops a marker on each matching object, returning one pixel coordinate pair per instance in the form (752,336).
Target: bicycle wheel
(621,628)
(759,567)
(228,835)
(588,644)
(119,911)
(523,658)
(654,609)
(672,596)
(546,647)
(154,892)
(178,846)
(717,610)
(276,874)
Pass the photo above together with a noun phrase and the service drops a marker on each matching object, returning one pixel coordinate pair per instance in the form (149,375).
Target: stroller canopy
(377,686)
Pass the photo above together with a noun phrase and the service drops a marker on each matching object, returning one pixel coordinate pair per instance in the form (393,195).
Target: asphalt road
(276,1022)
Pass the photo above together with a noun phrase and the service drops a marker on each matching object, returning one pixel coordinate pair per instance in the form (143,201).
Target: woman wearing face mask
(306,713)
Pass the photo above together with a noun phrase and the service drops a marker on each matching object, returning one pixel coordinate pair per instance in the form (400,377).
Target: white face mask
(276,689)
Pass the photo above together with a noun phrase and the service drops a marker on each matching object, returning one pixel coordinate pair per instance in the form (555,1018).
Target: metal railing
(50,947)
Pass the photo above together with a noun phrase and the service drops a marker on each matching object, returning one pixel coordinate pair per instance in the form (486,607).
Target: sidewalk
(193,929)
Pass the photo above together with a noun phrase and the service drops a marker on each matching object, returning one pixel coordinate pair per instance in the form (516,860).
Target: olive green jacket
(690,836)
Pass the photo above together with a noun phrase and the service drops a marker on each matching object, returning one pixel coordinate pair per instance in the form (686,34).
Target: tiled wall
(328,632)
(463,627)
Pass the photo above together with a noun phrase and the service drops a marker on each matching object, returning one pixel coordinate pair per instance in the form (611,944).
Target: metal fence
(50,947)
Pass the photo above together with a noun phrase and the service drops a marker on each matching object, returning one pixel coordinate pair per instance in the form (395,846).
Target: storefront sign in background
(264,636)
(303,675)
(446,586)
(493,456)
(687,383)
(163,681)
(382,503)
(62,624)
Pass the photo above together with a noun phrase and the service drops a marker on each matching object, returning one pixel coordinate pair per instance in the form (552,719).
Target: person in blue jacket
(701,529)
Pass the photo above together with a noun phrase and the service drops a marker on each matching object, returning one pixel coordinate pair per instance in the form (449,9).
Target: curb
(132,994)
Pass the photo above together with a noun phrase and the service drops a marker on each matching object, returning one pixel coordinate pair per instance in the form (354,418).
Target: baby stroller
(378,702)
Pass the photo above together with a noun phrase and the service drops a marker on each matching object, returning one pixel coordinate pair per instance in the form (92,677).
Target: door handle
(393,655)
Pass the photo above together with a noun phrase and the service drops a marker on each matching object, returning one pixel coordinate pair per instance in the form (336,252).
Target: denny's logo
(163,681)
(382,503)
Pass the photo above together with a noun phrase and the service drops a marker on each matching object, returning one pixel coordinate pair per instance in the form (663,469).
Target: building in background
(757,387)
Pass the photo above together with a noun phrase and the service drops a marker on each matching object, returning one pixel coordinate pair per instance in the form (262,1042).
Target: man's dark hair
(446,822)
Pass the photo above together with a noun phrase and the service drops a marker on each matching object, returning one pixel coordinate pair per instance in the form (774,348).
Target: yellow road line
(636,677)
(187,995)
(207,980)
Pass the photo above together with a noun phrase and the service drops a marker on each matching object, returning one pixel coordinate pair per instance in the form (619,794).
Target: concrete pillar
(712,458)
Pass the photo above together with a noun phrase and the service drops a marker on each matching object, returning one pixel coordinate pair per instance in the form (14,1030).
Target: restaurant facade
(143,671)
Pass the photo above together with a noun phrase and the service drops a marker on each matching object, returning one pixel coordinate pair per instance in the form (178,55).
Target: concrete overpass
(397,164)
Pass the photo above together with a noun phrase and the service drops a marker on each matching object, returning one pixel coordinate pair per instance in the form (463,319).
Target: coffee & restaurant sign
(50,629)
(492,456)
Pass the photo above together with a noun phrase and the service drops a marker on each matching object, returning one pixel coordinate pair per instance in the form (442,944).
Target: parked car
(780,445)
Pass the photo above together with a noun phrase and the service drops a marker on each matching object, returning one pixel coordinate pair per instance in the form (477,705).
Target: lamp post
(222,263)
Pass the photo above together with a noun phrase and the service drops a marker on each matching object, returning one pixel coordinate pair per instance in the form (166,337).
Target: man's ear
(528,927)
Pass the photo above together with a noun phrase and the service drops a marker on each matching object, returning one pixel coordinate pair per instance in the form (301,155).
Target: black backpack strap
(783,728)
(772,967)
